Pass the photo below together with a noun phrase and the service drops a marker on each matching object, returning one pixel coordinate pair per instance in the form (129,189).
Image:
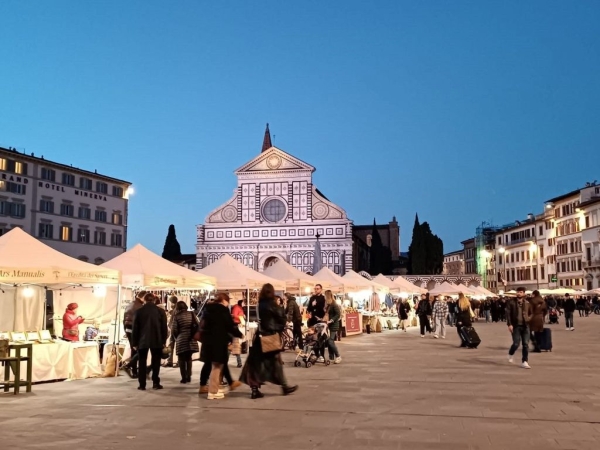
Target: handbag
(269,344)
(195,328)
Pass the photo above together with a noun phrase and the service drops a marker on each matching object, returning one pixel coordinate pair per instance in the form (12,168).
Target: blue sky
(461,111)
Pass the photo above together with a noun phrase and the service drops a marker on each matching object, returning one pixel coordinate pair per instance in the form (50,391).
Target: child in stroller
(315,343)
(553,315)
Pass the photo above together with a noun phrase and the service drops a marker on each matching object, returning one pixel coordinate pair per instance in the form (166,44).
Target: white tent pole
(116,339)
(247,309)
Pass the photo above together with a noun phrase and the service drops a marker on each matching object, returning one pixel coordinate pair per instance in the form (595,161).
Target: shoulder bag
(269,344)
(195,332)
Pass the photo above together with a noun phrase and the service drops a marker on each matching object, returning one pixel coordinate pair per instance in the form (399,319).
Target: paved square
(394,390)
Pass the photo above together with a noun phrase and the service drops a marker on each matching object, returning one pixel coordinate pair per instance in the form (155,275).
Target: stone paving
(394,390)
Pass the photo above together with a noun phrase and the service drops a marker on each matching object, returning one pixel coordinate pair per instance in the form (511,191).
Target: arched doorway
(270,261)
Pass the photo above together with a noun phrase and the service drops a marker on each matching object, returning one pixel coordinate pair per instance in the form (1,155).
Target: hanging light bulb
(28,292)
(99,291)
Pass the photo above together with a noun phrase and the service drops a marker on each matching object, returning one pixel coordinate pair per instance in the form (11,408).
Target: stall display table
(85,361)
(62,360)
(383,320)
(13,366)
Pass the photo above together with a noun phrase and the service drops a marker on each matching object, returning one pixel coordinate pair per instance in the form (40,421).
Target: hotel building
(80,213)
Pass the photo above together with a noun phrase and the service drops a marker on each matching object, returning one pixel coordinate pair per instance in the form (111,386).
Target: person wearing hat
(71,323)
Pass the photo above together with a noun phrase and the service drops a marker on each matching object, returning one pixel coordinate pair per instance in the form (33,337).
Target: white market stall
(367,290)
(446,289)
(232,275)
(335,282)
(295,280)
(142,269)
(27,268)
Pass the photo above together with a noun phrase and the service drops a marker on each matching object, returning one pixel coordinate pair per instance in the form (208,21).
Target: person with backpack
(184,323)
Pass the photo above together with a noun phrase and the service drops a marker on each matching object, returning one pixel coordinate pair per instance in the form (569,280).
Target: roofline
(589,202)
(562,197)
(468,240)
(454,253)
(312,169)
(63,166)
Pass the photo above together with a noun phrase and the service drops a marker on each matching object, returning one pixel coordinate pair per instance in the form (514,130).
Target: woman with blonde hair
(463,317)
(334,314)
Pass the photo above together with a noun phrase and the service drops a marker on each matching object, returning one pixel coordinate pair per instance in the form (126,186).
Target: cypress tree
(172,249)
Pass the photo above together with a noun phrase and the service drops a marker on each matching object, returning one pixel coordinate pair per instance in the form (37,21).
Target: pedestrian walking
(239,318)
(424,311)
(184,322)
(149,335)
(262,367)
(403,311)
(131,367)
(440,313)
(518,315)
(216,327)
(292,312)
(569,309)
(334,315)
(464,317)
(536,324)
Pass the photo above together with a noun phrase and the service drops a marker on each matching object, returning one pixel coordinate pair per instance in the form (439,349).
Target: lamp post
(486,255)
(504,253)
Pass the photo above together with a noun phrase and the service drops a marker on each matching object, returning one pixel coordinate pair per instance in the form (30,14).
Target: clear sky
(461,111)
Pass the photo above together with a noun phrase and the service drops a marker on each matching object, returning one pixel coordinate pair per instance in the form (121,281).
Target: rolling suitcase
(470,337)
(545,340)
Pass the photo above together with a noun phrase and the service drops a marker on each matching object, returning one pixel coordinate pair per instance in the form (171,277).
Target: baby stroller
(315,343)
(553,315)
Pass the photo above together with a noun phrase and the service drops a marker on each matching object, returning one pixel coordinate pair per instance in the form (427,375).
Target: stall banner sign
(353,323)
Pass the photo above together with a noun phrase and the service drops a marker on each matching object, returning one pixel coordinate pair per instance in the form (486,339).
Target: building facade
(276,212)
(80,213)
(523,256)
(469,252)
(590,240)
(454,263)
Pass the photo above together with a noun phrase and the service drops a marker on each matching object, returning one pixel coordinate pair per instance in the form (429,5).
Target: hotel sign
(81,193)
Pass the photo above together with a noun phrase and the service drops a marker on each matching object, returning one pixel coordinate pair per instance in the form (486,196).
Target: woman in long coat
(185,346)
(216,327)
(536,324)
(261,368)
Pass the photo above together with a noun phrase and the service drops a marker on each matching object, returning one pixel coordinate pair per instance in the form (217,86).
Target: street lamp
(504,254)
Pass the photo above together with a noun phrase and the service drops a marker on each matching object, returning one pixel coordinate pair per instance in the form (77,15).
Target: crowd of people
(219,332)
(524,315)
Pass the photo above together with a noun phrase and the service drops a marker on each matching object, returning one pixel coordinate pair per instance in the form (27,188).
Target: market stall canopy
(484,291)
(357,283)
(385,281)
(25,260)
(592,292)
(294,279)
(558,291)
(446,289)
(335,281)
(469,290)
(141,268)
(233,275)
(408,287)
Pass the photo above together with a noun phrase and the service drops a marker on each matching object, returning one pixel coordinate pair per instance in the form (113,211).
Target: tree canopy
(426,251)
(172,249)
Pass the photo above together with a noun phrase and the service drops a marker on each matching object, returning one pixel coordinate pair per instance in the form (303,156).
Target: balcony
(594,262)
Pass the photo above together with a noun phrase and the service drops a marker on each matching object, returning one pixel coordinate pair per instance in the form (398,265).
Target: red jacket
(71,324)
(236,312)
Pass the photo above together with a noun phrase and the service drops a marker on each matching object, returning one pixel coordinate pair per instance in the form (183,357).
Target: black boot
(256,394)
(287,390)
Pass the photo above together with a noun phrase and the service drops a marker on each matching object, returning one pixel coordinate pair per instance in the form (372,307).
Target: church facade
(276,212)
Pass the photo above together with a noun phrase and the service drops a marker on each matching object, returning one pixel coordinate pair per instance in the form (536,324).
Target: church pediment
(226,213)
(274,160)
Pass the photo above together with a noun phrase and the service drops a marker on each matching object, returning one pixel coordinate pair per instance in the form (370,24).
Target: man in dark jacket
(132,366)
(149,335)
(316,306)
(424,310)
(569,308)
(292,311)
(518,315)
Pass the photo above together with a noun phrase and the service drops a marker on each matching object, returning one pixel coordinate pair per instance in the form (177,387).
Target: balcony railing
(593,263)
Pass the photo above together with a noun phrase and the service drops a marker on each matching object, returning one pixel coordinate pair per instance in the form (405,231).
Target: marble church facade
(276,212)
